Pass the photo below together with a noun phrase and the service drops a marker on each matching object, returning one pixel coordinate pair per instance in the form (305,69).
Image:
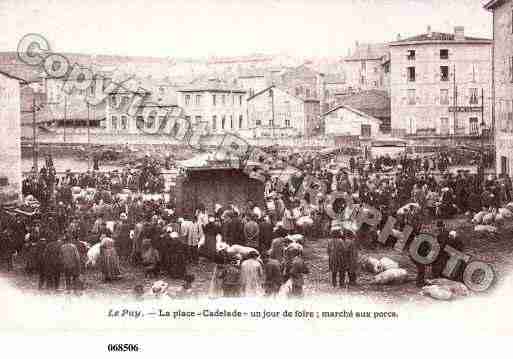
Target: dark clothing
(52,267)
(273,277)
(265,236)
(233,232)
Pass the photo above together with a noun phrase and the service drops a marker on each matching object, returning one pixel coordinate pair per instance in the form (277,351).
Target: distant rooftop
(368,51)
(431,36)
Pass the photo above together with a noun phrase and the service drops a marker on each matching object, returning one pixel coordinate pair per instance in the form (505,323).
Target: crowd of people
(256,248)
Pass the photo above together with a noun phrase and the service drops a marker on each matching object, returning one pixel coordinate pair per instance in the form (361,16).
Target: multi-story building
(503,82)
(364,67)
(438,83)
(275,112)
(10,134)
(221,105)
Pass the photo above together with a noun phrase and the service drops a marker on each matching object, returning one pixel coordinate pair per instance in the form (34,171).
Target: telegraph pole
(34,140)
(88,136)
(64,120)
(272,111)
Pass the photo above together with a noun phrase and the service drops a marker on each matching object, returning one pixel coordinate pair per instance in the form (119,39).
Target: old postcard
(240,167)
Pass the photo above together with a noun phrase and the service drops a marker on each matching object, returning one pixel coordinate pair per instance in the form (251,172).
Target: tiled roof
(436,36)
(374,103)
(349,108)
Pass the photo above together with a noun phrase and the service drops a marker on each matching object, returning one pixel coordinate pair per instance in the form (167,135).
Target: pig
(456,288)
(387,263)
(371,265)
(242,250)
(437,292)
(485,228)
(391,276)
(505,213)
(478,217)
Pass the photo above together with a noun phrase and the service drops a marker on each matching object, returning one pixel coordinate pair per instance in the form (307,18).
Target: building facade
(347,121)
(364,68)
(440,84)
(220,106)
(274,112)
(10,143)
(503,82)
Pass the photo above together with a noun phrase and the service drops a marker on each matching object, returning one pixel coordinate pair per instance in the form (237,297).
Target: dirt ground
(495,250)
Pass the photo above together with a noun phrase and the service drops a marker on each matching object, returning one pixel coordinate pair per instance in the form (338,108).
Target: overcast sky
(193,28)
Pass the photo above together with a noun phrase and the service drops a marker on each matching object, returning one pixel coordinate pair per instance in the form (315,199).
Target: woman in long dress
(109,260)
(252,276)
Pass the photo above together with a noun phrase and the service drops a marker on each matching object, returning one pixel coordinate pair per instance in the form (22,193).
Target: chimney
(459,33)
(429,32)
(398,37)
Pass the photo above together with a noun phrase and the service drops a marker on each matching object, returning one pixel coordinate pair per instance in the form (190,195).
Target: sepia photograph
(255,166)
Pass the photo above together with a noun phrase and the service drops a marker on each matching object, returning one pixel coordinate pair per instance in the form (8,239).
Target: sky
(201,28)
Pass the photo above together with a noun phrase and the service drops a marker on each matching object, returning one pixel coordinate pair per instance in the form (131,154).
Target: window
(364,66)
(444,54)
(233,100)
(251,92)
(287,122)
(444,73)
(473,99)
(411,74)
(187,100)
(240,100)
(197,119)
(444,97)
(258,122)
(113,100)
(231,121)
(366,130)
(444,126)
(223,122)
(511,69)
(411,97)
(307,92)
(151,121)
(375,70)
(271,122)
(214,122)
(114,120)
(198,100)
(162,122)
(474,72)
(240,121)
(214,100)
(140,122)
(124,122)
(223,99)
(473,126)
(411,55)
(298,91)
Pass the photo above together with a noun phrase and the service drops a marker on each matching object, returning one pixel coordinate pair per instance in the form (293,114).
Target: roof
(375,103)
(284,90)
(211,85)
(368,51)
(493,4)
(352,110)
(251,73)
(438,37)
(14,77)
